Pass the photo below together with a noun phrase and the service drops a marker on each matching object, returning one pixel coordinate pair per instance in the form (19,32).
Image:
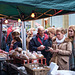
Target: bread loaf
(15,54)
(18,49)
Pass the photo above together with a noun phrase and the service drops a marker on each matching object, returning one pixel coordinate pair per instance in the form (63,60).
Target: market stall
(25,62)
(42,9)
(22,9)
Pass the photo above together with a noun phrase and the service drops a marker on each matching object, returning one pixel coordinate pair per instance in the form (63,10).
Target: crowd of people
(56,44)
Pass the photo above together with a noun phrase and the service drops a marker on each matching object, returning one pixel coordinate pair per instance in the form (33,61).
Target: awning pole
(23,35)
(0,31)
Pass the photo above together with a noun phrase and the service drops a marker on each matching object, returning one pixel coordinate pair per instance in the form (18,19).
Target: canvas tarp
(14,9)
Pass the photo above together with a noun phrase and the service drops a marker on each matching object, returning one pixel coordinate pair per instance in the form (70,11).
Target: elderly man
(39,42)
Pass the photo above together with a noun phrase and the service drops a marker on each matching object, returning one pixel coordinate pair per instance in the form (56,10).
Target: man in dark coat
(9,39)
(3,40)
(39,42)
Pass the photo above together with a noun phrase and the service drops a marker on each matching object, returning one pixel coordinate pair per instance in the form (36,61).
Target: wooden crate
(31,71)
(23,61)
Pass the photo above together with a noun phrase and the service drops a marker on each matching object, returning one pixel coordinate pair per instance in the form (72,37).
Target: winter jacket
(35,42)
(9,39)
(62,57)
(49,56)
(3,43)
(17,44)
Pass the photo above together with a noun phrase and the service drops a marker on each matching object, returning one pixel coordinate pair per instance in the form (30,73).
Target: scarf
(45,38)
(60,41)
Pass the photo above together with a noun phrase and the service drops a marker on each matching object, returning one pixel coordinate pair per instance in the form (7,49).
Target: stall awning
(14,9)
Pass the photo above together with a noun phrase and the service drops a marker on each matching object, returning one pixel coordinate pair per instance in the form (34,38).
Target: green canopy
(15,9)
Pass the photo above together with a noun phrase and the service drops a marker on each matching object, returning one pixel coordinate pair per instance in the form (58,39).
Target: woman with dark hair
(17,42)
(51,33)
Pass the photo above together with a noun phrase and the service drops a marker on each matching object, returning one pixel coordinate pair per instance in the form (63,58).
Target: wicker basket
(31,71)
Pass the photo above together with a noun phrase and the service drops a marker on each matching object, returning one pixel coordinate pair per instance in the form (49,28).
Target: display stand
(22,61)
